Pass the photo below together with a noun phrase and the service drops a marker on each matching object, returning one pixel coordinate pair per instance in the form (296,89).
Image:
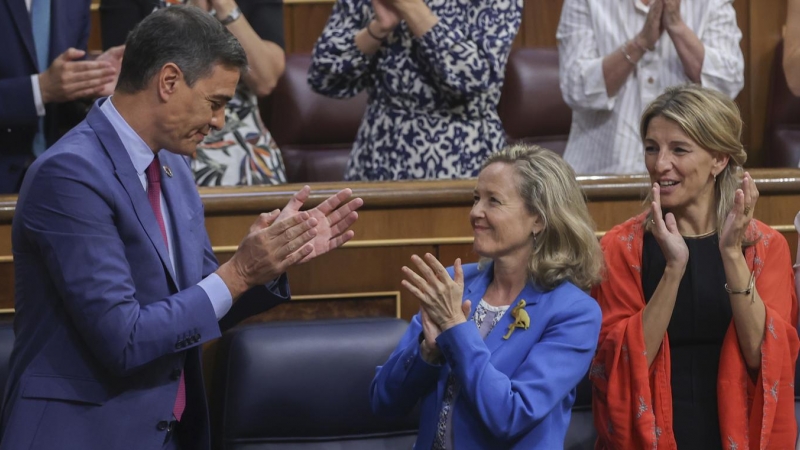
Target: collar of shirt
(140,153)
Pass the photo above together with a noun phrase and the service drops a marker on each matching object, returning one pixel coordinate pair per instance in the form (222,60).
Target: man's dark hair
(185,35)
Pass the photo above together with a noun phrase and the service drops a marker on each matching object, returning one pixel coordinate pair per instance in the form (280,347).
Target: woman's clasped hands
(440,299)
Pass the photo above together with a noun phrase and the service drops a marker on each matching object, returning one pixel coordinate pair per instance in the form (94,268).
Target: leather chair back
(315,133)
(305,386)
(531,106)
(581,434)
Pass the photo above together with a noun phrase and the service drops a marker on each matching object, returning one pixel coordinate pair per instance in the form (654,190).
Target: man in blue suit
(41,72)
(117,287)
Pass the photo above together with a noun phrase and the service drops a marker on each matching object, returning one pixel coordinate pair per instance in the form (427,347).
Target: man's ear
(169,78)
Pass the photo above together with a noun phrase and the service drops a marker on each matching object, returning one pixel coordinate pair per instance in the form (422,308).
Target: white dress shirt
(604,137)
(37,92)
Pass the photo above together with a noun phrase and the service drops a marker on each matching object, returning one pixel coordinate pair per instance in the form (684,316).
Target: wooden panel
(766,21)
(6,285)
(401,219)
(307,23)
(742,8)
(540,21)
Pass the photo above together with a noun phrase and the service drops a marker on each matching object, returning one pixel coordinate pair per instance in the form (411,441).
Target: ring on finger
(746,210)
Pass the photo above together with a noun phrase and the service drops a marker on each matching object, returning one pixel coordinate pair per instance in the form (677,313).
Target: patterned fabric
(242,153)
(432,109)
(482,311)
(631,402)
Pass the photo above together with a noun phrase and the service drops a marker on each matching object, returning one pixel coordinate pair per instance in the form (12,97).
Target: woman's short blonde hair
(566,249)
(712,120)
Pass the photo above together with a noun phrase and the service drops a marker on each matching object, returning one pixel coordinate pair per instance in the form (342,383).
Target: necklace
(702,235)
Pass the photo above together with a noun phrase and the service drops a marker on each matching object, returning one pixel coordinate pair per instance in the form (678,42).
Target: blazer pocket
(62,388)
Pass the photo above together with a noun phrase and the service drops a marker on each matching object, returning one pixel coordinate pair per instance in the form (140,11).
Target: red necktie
(153,173)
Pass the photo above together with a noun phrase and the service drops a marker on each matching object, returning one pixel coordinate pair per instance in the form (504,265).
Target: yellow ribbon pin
(521,318)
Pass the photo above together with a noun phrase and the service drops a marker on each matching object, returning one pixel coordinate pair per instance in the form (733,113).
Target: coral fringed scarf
(632,403)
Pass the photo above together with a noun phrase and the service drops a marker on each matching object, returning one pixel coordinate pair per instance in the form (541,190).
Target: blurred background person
(791,46)
(243,152)
(615,58)
(477,353)
(42,72)
(698,296)
(433,74)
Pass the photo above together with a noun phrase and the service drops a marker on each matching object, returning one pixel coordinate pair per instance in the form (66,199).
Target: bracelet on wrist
(640,46)
(747,291)
(231,17)
(372,35)
(627,56)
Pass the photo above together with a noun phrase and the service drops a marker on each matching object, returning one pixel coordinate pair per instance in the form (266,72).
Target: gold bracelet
(627,56)
(746,291)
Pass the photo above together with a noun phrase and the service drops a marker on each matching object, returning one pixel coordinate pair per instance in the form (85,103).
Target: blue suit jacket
(103,324)
(515,393)
(69,27)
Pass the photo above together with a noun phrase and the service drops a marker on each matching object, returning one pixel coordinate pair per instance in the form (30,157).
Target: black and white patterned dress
(432,110)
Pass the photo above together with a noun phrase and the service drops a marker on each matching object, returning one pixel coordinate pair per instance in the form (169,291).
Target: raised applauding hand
(738,219)
(665,230)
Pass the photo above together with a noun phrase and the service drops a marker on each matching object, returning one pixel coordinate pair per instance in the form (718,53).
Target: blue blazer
(103,323)
(69,27)
(515,393)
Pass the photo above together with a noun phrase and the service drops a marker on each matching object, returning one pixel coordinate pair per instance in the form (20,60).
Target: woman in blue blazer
(498,347)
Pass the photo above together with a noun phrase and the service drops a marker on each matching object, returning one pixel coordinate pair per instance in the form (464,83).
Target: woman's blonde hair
(566,249)
(712,120)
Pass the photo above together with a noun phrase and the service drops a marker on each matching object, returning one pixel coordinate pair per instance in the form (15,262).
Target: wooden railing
(400,219)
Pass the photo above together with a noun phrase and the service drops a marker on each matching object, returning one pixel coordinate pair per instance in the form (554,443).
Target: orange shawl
(632,403)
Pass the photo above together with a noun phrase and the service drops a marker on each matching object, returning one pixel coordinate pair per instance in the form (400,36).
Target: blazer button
(162,425)
(175,374)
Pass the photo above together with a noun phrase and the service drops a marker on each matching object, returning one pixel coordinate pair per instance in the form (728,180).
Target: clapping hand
(439,295)
(738,219)
(333,222)
(665,230)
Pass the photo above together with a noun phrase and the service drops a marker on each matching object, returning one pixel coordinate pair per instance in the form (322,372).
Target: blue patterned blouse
(432,110)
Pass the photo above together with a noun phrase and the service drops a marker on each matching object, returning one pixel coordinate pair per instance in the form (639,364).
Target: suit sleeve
(17,106)
(512,406)
(405,377)
(70,219)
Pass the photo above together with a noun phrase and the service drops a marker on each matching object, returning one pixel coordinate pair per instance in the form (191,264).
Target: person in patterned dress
(433,70)
(698,297)
(498,347)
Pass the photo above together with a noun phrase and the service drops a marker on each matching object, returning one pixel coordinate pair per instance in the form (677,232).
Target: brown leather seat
(531,106)
(782,129)
(315,133)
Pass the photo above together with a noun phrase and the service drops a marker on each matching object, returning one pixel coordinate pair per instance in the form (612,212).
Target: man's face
(191,112)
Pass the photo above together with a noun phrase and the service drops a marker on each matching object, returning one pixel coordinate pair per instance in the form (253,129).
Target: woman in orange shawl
(698,342)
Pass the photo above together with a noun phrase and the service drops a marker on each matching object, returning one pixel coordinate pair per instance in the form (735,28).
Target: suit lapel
(22,20)
(476,290)
(495,338)
(130,182)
